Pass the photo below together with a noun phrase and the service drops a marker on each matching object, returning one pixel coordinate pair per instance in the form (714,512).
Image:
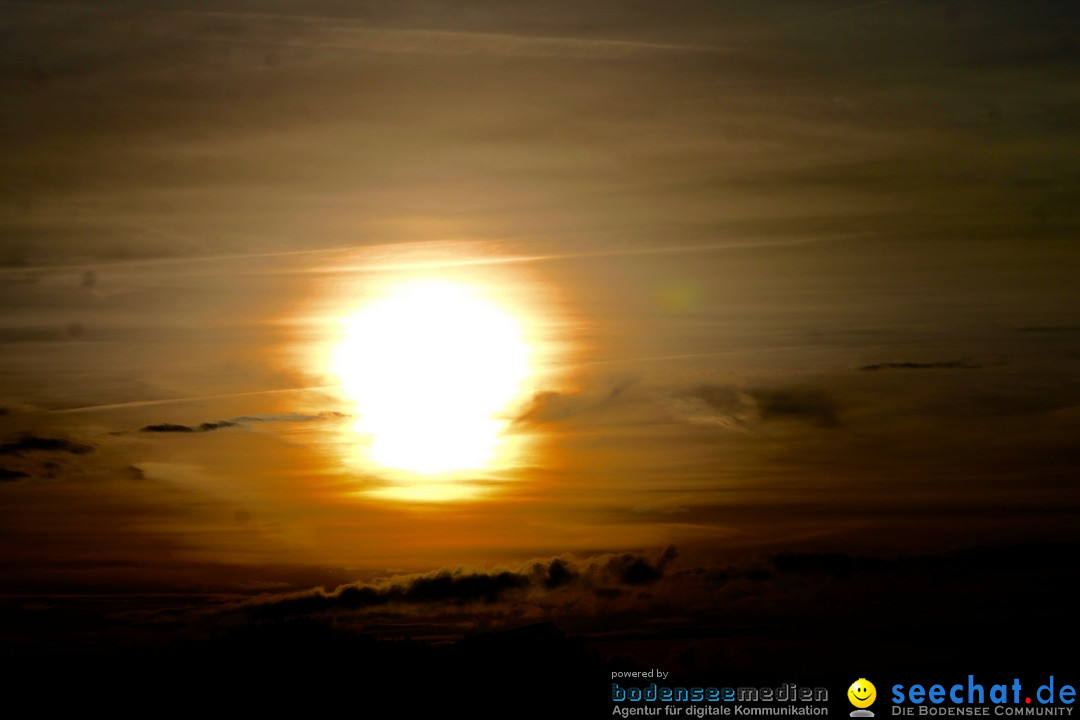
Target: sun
(431,366)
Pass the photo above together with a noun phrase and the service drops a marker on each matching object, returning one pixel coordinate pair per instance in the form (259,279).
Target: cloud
(813,407)
(133,472)
(728,405)
(208,426)
(637,603)
(604,575)
(34,443)
(237,421)
(939,365)
(291,417)
(167,428)
(173,428)
(37,456)
(444,586)
(344,34)
(751,614)
(11,475)
(739,409)
(635,570)
(559,573)
(551,406)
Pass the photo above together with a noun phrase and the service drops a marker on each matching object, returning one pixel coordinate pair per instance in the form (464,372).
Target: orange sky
(792,277)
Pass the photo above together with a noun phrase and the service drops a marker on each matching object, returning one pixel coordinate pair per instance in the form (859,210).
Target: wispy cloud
(737,408)
(336,33)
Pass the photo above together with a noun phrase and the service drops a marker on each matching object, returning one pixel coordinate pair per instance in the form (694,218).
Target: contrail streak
(417,264)
(197,398)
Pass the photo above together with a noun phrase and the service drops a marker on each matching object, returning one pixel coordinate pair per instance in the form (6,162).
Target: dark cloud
(11,475)
(637,605)
(208,426)
(636,570)
(237,421)
(939,365)
(600,575)
(810,406)
(442,587)
(559,573)
(750,610)
(167,428)
(33,443)
(174,428)
(37,456)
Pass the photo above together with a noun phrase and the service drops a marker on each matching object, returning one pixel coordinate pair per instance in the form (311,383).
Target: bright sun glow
(430,366)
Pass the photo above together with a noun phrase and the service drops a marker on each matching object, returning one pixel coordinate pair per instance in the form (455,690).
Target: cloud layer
(603,576)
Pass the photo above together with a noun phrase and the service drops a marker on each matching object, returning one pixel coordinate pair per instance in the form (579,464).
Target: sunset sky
(689,287)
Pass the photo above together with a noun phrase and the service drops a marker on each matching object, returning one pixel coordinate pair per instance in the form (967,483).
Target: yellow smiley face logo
(862,693)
